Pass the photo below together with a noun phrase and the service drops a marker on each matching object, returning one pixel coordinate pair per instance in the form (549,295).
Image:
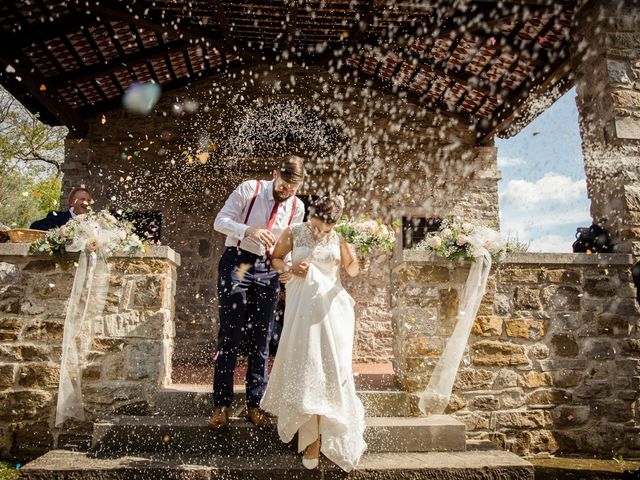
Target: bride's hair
(328,209)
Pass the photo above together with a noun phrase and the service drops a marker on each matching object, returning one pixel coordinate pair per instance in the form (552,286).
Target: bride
(311,388)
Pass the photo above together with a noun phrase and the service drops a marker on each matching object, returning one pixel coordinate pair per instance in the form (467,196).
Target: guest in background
(635,274)
(79,201)
(4,236)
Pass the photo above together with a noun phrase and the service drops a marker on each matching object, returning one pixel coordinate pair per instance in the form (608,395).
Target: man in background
(79,201)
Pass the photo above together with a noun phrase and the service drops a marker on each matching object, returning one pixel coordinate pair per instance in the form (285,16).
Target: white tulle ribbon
(435,397)
(88,296)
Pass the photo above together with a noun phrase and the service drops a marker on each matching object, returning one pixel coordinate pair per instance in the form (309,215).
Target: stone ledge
(488,463)
(157,252)
(559,259)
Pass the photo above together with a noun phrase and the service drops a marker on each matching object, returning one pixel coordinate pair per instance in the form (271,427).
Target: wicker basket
(25,235)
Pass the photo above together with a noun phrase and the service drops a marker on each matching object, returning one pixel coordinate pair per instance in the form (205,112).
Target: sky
(543,195)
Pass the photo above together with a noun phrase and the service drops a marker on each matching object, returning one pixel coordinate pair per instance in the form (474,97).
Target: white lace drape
(88,296)
(435,397)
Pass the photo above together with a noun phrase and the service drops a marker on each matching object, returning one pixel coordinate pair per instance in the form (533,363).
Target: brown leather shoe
(219,418)
(258,417)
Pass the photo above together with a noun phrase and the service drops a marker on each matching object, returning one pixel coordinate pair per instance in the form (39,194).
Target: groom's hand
(260,235)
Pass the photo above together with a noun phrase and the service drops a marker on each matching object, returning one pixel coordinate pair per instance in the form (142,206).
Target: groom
(253,217)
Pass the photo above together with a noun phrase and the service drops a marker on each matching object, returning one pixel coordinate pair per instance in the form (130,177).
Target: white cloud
(552,188)
(551,244)
(506,162)
(545,218)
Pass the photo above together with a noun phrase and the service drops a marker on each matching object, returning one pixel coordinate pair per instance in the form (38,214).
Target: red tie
(272,217)
(272,220)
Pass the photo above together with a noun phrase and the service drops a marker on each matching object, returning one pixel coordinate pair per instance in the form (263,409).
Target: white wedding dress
(312,374)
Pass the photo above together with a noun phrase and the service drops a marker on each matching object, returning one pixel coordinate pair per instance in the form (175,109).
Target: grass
(8,472)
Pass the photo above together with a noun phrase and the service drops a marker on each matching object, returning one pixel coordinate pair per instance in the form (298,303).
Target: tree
(31,156)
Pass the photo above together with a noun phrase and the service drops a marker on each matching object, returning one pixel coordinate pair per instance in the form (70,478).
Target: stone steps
(190,435)
(196,400)
(480,461)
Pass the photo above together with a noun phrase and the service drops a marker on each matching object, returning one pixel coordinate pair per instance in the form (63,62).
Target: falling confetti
(141,98)
(243,268)
(202,157)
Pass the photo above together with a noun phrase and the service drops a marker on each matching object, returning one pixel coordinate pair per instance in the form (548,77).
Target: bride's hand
(285,277)
(301,268)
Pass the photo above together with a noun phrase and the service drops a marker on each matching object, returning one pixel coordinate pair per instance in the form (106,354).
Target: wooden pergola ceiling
(474,60)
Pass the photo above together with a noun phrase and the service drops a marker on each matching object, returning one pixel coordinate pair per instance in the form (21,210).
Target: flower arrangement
(98,232)
(458,240)
(367,235)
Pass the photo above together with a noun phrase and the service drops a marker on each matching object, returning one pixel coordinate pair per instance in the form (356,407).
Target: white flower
(92,245)
(446,233)
(435,241)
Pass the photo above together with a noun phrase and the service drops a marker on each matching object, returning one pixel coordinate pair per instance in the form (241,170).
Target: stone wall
(606,62)
(553,363)
(129,358)
(392,158)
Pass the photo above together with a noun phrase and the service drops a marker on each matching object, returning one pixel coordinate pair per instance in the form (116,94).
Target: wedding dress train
(312,374)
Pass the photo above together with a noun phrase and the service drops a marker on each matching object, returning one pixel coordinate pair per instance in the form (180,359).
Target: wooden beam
(363,19)
(464,78)
(118,63)
(166,87)
(128,12)
(43,47)
(513,107)
(148,63)
(117,11)
(100,56)
(167,59)
(31,34)
(121,53)
(292,23)
(223,25)
(39,87)
(533,3)
(498,52)
(79,60)
(411,97)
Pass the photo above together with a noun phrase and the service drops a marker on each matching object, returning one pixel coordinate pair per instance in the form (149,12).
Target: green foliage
(7,472)
(31,154)
(367,235)
(515,245)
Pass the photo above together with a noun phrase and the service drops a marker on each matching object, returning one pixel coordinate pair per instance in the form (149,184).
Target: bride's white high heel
(310,463)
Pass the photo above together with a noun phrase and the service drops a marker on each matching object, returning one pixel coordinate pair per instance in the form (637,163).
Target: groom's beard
(278,197)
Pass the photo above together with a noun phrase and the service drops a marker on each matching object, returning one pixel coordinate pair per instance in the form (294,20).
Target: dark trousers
(247,297)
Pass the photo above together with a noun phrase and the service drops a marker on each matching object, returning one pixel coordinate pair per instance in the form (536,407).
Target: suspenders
(253,200)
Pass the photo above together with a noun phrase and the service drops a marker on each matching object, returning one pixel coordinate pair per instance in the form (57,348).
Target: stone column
(606,62)
(76,169)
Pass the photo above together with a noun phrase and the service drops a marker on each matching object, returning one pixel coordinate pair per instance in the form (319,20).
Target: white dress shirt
(231,219)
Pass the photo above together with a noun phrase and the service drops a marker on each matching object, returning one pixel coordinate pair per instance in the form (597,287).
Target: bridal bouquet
(98,232)
(456,240)
(367,235)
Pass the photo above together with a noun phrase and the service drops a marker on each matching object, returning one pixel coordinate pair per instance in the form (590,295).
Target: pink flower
(435,242)
(462,239)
